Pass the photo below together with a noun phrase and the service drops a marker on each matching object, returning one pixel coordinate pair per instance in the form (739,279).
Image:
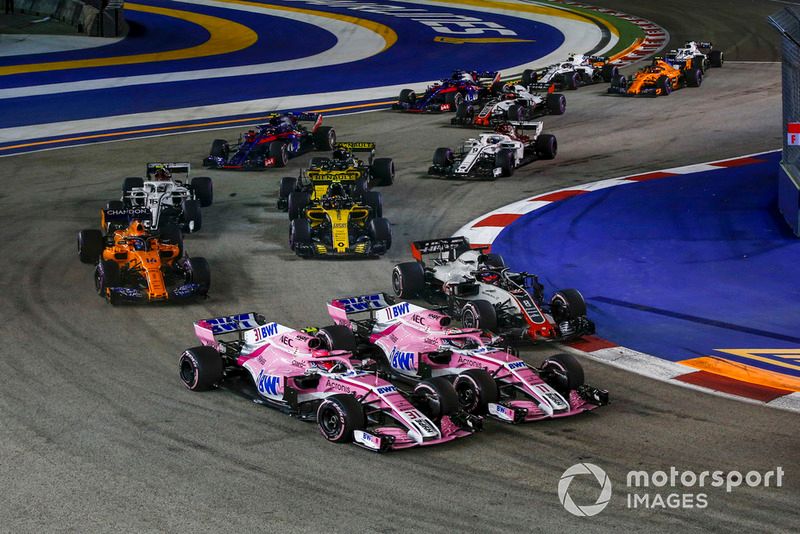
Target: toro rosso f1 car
(342,166)
(415,344)
(576,71)
(462,87)
(166,199)
(658,79)
(495,154)
(272,144)
(483,293)
(290,370)
(134,264)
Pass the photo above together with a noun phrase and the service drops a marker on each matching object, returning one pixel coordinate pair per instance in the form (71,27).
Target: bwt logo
(516,365)
(263,332)
(364,303)
(397,310)
(267,384)
(383,390)
(402,360)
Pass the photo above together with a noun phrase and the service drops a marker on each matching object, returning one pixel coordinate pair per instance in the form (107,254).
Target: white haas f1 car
(497,153)
(165,200)
(483,293)
(701,55)
(290,370)
(576,71)
(512,103)
(414,344)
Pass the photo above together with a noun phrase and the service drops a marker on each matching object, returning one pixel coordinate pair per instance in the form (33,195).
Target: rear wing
(538,126)
(356,146)
(303,116)
(251,328)
(434,246)
(173,168)
(379,306)
(125,215)
(319,176)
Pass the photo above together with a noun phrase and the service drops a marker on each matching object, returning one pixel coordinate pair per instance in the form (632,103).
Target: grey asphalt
(98,435)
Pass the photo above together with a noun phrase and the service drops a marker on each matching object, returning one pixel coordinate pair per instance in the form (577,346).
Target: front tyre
(408,279)
(436,397)
(200,368)
(479,314)
(339,416)
(567,304)
(563,373)
(475,389)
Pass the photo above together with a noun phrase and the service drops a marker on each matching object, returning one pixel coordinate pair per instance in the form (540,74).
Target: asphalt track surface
(98,434)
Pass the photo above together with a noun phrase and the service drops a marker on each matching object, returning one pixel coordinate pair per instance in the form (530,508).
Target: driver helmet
(341,154)
(488,277)
(494,139)
(162,174)
(250,136)
(322,353)
(336,189)
(136,228)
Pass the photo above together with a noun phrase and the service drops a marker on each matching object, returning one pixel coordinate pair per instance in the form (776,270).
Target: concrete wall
(84,15)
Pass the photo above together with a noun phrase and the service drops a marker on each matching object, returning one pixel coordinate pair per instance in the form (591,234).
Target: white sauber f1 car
(168,200)
(497,153)
(576,71)
(483,293)
(512,103)
(701,54)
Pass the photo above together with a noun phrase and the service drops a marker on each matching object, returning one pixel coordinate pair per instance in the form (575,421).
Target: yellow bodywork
(340,220)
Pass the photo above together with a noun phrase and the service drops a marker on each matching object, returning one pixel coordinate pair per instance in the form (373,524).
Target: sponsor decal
(232,323)
(397,310)
(288,341)
(362,303)
(383,390)
(338,386)
(268,385)
(468,362)
(263,332)
(418,319)
(516,365)
(793,133)
(402,360)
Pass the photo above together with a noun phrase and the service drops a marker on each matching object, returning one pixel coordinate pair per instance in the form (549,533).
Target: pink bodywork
(278,357)
(409,335)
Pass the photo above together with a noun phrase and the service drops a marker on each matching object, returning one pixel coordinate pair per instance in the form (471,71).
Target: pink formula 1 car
(291,372)
(415,344)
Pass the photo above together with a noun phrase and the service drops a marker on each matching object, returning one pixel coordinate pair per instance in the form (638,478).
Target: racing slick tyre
(198,271)
(382,170)
(374,200)
(131,183)
(200,368)
(515,112)
(324,138)
(699,63)
(694,77)
(567,304)
(381,231)
(556,103)
(529,76)
(663,87)
(287,187)
(278,152)
(299,233)
(106,276)
(609,72)
(475,389)
(219,149)
(298,200)
(569,80)
(436,397)
(453,100)
(619,85)
(715,58)
(115,205)
(505,161)
(443,157)
(479,314)
(192,218)
(546,146)
(496,88)
(203,189)
(318,161)
(408,279)
(338,416)
(171,235)
(407,96)
(337,337)
(494,261)
(563,373)
(90,245)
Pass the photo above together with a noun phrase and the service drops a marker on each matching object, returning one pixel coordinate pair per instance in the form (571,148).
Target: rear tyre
(436,397)
(694,77)
(609,72)
(382,171)
(337,337)
(529,76)
(408,279)
(199,272)
(546,146)
(324,138)
(374,200)
(569,80)
(443,157)
(200,368)
(563,373)
(90,245)
(494,261)
(515,112)
(381,231)
(192,217)
(715,58)
(278,152)
(567,304)
(698,63)
(219,149)
(556,103)
(298,200)
(339,416)
(475,389)
(287,186)
(203,189)
(479,314)
(407,96)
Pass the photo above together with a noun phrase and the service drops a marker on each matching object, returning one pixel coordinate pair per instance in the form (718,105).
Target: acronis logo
(267,384)
(402,360)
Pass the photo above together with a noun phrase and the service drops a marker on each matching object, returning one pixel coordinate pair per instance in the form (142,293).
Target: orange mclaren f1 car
(134,264)
(658,79)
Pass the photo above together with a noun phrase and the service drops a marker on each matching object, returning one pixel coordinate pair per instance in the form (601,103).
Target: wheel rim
(468,319)
(329,422)
(561,382)
(467,395)
(397,283)
(188,372)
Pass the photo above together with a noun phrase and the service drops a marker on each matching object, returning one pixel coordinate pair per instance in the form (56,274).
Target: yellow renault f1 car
(338,224)
(658,79)
(343,166)
(134,264)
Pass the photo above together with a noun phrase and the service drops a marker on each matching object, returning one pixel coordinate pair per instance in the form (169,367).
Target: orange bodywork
(646,79)
(141,252)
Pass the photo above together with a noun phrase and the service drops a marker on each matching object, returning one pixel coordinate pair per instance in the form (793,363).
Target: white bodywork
(500,107)
(688,51)
(155,195)
(491,143)
(574,63)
